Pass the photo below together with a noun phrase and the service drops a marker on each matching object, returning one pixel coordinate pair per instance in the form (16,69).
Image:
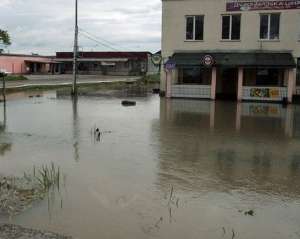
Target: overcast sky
(47,26)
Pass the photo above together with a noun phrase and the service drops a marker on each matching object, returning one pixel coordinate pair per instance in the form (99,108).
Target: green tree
(4,37)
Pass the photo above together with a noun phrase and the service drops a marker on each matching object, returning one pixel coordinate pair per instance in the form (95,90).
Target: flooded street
(162,169)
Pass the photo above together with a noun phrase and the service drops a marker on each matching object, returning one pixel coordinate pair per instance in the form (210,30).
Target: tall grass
(48,176)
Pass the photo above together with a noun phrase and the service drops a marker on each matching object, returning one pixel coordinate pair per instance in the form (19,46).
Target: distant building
(27,64)
(246,49)
(108,63)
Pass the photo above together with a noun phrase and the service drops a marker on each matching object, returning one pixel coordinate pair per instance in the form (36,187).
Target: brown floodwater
(214,160)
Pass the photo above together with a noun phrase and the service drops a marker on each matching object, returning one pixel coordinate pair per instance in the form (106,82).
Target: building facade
(27,64)
(108,63)
(245,50)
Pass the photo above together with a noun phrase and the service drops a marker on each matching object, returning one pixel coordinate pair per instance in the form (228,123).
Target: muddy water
(162,169)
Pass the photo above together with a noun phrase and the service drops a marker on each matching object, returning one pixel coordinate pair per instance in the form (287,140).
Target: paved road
(63,80)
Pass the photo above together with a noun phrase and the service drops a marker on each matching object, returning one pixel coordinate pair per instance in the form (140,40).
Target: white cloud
(47,26)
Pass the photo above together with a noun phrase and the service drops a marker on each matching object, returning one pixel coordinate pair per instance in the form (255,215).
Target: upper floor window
(231,27)
(269,26)
(194,28)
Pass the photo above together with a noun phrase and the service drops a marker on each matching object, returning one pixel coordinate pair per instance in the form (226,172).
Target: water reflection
(221,146)
(76,130)
(4,146)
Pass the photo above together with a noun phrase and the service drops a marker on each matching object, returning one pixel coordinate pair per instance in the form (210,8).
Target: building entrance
(227,83)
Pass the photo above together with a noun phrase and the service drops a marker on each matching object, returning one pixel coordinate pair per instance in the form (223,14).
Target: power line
(100,43)
(103,40)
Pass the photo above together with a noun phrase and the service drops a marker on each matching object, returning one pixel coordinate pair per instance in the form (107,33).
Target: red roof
(130,55)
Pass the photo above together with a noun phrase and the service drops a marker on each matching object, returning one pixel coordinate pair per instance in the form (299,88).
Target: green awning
(257,59)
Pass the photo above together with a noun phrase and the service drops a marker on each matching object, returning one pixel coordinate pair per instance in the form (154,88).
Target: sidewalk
(65,80)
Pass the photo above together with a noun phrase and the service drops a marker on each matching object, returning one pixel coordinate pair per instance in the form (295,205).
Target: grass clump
(15,78)
(155,78)
(19,193)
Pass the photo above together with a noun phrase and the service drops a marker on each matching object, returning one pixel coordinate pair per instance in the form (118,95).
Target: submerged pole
(4,89)
(74,87)
(2,75)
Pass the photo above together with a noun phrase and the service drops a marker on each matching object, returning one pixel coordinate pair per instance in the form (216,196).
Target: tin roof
(95,55)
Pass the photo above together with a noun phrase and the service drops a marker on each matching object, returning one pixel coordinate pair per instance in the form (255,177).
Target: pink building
(27,64)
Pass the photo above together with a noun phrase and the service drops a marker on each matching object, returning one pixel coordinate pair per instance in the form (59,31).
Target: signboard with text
(170,65)
(232,6)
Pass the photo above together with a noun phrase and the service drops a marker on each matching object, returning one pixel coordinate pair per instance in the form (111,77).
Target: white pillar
(240,84)
(213,83)
(168,84)
(291,85)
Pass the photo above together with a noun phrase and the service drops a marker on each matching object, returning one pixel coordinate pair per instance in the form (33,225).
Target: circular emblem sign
(208,60)
(156,59)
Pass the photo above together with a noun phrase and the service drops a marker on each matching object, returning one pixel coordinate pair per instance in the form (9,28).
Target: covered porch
(259,76)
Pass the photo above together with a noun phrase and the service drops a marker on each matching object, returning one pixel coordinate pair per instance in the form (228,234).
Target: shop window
(231,27)
(194,75)
(269,26)
(194,28)
(269,77)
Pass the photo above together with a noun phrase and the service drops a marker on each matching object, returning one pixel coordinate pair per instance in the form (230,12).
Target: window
(194,28)
(269,77)
(269,26)
(194,75)
(231,27)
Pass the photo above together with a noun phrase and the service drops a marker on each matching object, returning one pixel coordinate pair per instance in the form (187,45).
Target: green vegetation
(15,78)
(4,37)
(19,193)
(48,176)
(151,78)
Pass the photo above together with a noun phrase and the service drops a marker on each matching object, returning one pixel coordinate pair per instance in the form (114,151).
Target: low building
(245,50)
(108,63)
(27,64)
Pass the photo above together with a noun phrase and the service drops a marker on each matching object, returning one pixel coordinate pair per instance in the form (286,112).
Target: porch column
(240,84)
(290,85)
(213,83)
(168,84)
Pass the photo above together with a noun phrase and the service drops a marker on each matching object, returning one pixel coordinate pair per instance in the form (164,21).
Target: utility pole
(74,87)
(2,74)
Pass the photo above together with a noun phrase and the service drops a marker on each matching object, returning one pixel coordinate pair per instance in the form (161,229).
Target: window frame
(194,28)
(230,27)
(269,14)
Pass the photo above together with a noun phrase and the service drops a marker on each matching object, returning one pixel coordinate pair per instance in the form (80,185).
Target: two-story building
(241,49)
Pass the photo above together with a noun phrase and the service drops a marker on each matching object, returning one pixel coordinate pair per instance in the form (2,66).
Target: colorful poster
(259,92)
(262,5)
(264,93)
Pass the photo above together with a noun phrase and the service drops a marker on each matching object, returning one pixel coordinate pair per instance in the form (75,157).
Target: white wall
(173,27)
